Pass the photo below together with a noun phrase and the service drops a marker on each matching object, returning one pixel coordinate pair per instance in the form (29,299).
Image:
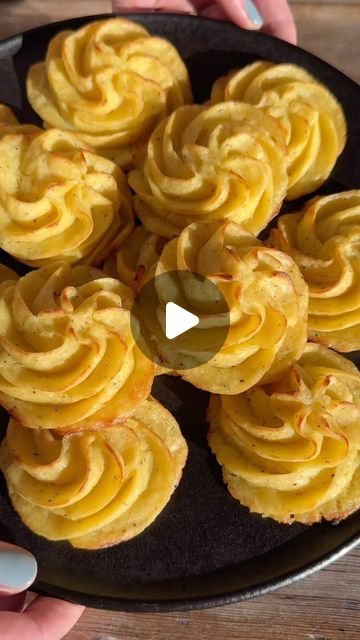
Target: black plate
(204,549)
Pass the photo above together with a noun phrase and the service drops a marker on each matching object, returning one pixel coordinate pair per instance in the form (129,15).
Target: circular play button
(180,319)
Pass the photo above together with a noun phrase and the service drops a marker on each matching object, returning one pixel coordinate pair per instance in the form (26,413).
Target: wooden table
(325,606)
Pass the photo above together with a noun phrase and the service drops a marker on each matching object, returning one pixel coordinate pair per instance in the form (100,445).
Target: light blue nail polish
(18,569)
(253,13)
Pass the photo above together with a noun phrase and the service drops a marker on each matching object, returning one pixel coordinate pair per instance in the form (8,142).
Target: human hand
(273,15)
(45,618)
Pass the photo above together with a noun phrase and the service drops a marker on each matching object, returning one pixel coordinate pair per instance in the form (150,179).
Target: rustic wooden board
(325,606)
(332,32)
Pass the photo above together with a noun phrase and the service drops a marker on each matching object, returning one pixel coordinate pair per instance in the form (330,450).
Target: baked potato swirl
(95,489)
(266,298)
(58,200)
(221,162)
(291,450)
(111,82)
(324,240)
(68,359)
(309,114)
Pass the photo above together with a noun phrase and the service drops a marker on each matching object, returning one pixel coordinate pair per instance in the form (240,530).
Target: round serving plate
(205,549)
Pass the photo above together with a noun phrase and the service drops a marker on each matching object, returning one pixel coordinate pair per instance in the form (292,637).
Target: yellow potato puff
(95,489)
(324,240)
(111,82)
(58,200)
(134,257)
(223,162)
(266,297)
(311,117)
(68,359)
(291,450)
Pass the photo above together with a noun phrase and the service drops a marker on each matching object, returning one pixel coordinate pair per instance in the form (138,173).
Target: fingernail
(18,569)
(253,13)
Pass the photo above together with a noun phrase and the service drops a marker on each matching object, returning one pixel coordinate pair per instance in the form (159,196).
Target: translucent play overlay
(152,316)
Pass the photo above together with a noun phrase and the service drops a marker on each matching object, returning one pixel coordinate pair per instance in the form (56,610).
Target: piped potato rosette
(133,259)
(258,296)
(309,114)
(324,240)
(68,359)
(291,450)
(111,82)
(215,163)
(95,489)
(59,200)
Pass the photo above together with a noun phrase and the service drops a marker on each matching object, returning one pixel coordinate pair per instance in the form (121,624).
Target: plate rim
(132,15)
(157,605)
(196,603)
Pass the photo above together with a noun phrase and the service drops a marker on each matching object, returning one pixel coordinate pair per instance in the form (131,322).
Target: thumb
(18,569)
(243,13)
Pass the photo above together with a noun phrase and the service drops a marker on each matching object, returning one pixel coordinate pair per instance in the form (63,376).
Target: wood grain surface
(325,606)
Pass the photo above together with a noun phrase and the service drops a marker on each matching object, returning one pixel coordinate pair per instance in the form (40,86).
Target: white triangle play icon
(178,320)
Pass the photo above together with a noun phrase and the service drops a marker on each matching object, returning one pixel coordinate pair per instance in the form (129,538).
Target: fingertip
(253,14)
(278,19)
(285,31)
(243,13)
(18,569)
(292,35)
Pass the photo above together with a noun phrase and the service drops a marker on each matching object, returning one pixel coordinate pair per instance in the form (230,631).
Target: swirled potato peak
(324,240)
(212,163)
(68,359)
(291,450)
(59,200)
(111,82)
(309,114)
(95,489)
(266,307)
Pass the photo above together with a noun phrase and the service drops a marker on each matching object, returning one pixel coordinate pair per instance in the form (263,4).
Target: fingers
(274,16)
(53,617)
(244,13)
(278,19)
(45,618)
(181,6)
(13,603)
(18,569)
